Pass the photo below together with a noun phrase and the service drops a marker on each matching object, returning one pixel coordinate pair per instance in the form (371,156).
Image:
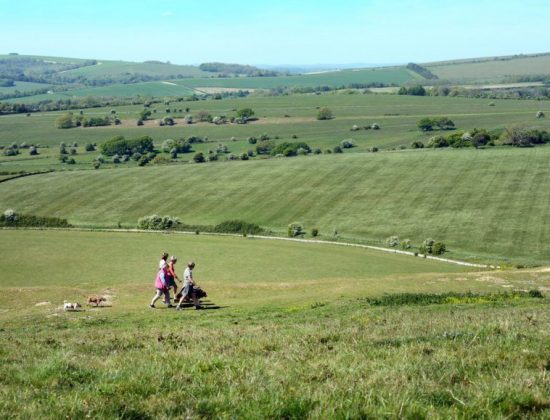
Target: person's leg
(167,297)
(157,297)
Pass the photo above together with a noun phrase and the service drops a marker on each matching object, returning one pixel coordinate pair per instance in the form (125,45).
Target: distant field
(492,70)
(106,69)
(23,87)
(397,116)
(390,75)
(489,205)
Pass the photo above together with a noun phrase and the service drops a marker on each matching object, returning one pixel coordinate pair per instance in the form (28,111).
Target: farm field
(485,205)
(491,70)
(286,343)
(22,87)
(397,116)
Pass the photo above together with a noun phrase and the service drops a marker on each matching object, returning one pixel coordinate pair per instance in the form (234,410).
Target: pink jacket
(160,280)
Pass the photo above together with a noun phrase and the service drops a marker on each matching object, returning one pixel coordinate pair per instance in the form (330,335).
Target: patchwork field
(286,343)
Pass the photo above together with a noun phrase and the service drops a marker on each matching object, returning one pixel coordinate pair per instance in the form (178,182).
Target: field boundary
(278,238)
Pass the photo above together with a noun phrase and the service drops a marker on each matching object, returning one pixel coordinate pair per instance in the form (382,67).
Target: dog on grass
(71,306)
(96,300)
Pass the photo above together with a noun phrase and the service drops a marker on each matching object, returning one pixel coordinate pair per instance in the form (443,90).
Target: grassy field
(301,340)
(489,205)
(390,75)
(23,87)
(397,116)
(491,70)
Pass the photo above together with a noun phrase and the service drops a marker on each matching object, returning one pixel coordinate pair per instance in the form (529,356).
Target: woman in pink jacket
(161,284)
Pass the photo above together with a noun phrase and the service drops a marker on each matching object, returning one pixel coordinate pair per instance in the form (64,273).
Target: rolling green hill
(492,69)
(484,204)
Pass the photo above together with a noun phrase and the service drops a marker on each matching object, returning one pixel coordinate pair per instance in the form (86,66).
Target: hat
(173,258)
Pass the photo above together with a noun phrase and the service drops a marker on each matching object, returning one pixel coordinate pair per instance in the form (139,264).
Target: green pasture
(293,336)
(107,69)
(490,205)
(397,116)
(22,87)
(491,70)
(388,75)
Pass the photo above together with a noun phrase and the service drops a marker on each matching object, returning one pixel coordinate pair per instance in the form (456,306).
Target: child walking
(161,284)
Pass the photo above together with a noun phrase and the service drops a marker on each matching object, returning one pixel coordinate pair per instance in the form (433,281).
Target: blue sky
(275,32)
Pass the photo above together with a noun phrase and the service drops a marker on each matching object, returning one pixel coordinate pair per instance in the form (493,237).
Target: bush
(295,229)
(204,116)
(438,141)
(392,241)
(354,128)
(264,147)
(11,219)
(252,140)
(238,226)
(375,126)
(438,248)
(427,246)
(317,151)
(347,144)
(540,114)
(168,121)
(167,145)
(71,161)
(65,120)
(405,244)
(89,147)
(139,122)
(156,222)
(160,160)
(33,151)
(245,113)
(374,149)
(314,232)
(119,145)
(290,149)
(325,114)
(337,149)
(264,137)
(417,145)
(199,157)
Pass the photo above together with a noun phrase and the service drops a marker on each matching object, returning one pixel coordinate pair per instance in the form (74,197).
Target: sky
(290,32)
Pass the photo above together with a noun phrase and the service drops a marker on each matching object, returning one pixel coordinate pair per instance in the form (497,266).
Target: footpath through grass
(294,336)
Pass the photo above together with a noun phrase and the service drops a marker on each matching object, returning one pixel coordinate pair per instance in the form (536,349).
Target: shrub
(65,120)
(374,149)
(116,159)
(354,127)
(438,248)
(405,244)
(417,145)
(392,241)
(540,114)
(96,164)
(347,144)
(427,246)
(325,114)
(139,122)
(438,141)
(295,229)
(337,149)
(290,149)
(317,151)
(375,126)
(89,147)
(72,151)
(238,226)
(314,232)
(264,137)
(168,121)
(425,124)
(245,113)
(222,148)
(144,115)
(204,116)
(143,160)
(264,147)
(160,160)
(167,145)
(156,222)
(71,161)
(33,151)
(244,156)
(119,145)
(212,157)
(12,219)
(188,119)
(252,140)
(199,157)
(136,156)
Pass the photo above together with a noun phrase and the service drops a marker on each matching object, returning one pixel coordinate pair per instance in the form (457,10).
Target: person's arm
(173,273)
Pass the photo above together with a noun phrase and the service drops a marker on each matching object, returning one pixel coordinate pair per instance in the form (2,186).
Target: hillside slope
(484,204)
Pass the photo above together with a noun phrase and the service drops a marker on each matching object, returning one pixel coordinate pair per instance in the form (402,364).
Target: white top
(162,263)
(187,276)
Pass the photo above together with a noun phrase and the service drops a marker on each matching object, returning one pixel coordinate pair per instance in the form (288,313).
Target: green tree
(245,113)
(65,120)
(325,114)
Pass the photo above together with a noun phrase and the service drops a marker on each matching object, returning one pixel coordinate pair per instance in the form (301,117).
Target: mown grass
(488,205)
(308,345)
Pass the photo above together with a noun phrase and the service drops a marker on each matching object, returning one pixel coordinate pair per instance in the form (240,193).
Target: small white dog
(71,306)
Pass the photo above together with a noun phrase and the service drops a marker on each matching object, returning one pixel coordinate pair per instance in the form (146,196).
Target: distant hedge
(120,146)
(237,226)
(12,219)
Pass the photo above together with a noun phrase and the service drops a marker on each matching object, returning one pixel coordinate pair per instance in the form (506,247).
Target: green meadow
(292,332)
(486,205)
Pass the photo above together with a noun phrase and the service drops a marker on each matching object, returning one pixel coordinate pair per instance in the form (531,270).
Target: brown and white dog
(96,300)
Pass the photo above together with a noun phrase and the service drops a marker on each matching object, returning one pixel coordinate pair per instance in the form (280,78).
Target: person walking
(161,284)
(188,287)
(172,276)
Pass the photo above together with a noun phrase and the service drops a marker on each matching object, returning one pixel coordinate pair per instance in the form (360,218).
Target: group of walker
(166,279)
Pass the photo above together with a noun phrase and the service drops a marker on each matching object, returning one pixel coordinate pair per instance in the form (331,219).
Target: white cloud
(168,13)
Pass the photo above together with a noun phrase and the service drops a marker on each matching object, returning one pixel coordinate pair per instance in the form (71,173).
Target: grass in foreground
(297,344)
